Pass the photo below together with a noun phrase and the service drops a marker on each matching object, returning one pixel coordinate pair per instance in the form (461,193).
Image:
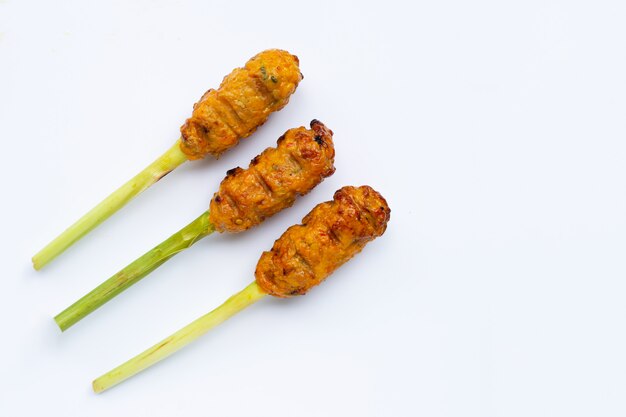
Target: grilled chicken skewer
(242,103)
(331,234)
(302,159)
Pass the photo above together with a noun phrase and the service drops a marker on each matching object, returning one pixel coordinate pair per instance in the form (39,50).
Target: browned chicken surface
(302,159)
(331,234)
(242,103)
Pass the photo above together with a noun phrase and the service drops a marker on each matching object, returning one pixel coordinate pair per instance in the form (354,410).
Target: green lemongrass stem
(181,338)
(135,271)
(116,200)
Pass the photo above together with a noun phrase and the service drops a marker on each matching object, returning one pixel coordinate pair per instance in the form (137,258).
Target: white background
(496,130)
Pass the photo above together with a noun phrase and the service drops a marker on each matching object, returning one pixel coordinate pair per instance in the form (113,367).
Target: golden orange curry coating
(243,102)
(302,159)
(331,234)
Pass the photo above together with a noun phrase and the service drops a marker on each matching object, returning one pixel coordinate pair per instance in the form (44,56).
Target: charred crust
(202,129)
(233,171)
(255,160)
(318,139)
(333,235)
(320,128)
(218,199)
(304,262)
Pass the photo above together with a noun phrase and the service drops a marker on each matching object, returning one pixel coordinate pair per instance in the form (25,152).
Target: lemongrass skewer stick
(135,271)
(116,200)
(180,339)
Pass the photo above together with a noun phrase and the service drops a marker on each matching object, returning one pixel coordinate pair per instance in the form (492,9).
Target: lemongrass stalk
(135,271)
(116,200)
(180,339)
